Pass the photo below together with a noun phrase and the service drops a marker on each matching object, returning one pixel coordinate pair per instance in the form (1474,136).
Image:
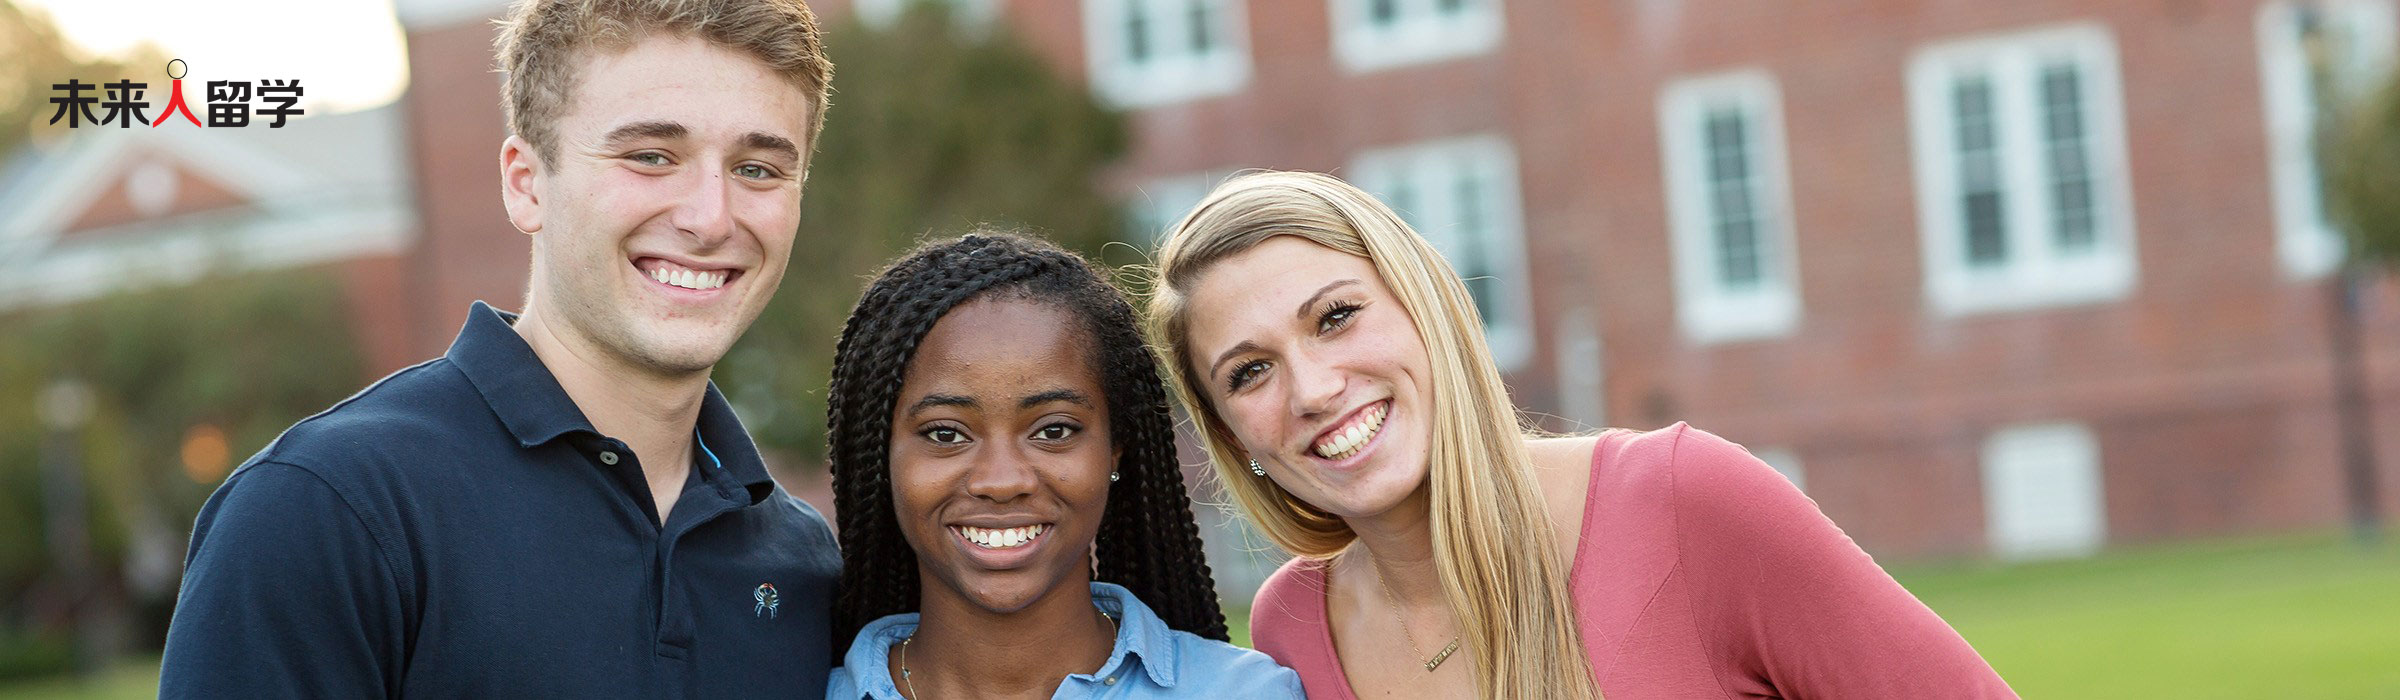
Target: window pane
(1982,199)
(1200,26)
(2072,219)
(1137,31)
(1383,11)
(1732,206)
(1468,252)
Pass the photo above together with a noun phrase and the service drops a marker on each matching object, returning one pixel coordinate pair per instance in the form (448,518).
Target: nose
(1313,385)
(706,210)
(1001,475)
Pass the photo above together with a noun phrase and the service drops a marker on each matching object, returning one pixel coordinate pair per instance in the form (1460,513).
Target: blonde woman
(1337,370)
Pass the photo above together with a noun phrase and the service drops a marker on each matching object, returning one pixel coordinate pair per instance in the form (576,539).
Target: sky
(347,54)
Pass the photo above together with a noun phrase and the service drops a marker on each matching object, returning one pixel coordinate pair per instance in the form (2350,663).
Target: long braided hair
(1147,542)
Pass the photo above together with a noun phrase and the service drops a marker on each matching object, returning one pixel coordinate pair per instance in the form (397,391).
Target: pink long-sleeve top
(1700,573)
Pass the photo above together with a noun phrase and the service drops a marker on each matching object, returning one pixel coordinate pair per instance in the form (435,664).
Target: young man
(562,505)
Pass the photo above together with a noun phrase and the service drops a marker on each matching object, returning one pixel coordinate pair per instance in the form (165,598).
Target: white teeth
(989,538)
(689,278)
(1343,442)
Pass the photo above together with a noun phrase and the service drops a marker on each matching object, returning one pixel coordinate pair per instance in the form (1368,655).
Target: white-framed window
(881,14)
(1371,35)
(1729,207)
(1157,204)
(1461,194)
(1582,368)
(1146,53)
(2023,196)
(2356,38)
(2042,491)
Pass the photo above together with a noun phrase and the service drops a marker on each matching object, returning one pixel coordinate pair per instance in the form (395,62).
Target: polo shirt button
(608,457)
(1112,680)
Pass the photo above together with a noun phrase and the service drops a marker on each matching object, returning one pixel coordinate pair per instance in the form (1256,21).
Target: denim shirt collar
(1142,639)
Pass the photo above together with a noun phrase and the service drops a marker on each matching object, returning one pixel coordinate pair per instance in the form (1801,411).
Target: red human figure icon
(175,101)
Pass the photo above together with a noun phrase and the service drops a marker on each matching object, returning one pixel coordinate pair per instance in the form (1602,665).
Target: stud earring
(1255,469)
(1112,477)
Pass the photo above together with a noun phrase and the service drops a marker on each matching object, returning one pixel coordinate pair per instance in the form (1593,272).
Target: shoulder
(861,673)
(1713,476)
(838,685)
(791,533)
(1216,669)
(1291,602)
(412,409)
(1680,459)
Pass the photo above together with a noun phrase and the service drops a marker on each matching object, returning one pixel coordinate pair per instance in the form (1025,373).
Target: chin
(1003,594)
(680,353)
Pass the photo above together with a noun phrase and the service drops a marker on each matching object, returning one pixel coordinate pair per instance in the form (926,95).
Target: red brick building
(2014,278)
(2011,279)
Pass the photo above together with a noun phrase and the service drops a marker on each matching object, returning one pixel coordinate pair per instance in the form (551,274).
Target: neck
(653,412)
(1399,547)
(961,650)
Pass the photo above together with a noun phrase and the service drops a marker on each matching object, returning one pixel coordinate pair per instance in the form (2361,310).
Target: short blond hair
(539,41)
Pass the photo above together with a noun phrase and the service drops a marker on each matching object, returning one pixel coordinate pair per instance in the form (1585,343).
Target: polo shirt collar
(536,410)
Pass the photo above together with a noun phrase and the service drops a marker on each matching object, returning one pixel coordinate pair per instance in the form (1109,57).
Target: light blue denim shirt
(1151,660)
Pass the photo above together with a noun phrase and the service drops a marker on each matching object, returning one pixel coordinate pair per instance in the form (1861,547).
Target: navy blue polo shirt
(460,530)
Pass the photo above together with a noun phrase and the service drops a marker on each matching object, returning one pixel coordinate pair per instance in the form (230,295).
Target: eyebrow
(933,400)
(1067,395)
(1301,313)
(645,130)
(763,141)
(657,129)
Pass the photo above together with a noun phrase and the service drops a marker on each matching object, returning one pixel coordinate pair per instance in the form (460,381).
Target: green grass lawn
(131,678)
(2287,618)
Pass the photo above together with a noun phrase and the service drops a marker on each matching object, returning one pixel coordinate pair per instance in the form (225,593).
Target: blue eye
(652,158)
(754,172)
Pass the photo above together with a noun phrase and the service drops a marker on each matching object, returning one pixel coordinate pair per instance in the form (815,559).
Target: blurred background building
(1987,280)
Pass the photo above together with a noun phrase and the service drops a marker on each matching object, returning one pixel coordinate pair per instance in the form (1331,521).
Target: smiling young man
(562,505)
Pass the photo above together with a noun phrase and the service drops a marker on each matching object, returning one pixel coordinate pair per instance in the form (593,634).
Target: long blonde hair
(1492,540)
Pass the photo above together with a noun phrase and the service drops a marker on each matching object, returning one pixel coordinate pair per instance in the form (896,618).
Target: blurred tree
(34,56)
(2358,157)
(935,129)
(222,365)
(2361,161)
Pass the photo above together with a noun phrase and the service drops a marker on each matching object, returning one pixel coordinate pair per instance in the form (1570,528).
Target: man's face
(664,221)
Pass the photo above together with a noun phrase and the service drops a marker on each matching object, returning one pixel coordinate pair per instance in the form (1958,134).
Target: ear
(521,175)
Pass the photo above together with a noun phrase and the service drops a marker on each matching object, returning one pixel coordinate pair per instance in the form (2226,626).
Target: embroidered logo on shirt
(765,595)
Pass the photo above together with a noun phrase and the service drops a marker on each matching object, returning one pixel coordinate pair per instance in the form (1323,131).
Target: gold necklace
(908,678)
(1430,664)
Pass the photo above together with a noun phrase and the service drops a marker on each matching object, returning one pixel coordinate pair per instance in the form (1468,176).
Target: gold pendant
(1439,658)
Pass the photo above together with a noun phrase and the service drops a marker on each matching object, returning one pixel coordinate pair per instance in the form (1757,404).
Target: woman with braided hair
(999,431)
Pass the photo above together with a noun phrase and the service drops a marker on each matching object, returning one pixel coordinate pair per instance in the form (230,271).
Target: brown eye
(1241,376)
(1336,317)
(1055,432)
(945,436)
